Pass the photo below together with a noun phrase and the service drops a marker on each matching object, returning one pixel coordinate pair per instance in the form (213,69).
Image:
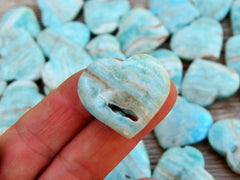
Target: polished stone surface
(235,17)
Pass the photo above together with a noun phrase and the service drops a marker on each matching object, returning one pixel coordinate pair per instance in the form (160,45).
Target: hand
(60,139)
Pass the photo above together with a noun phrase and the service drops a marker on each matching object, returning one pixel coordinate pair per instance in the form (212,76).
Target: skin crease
(60,139)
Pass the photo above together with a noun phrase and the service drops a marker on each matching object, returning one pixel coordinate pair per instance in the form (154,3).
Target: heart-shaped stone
(102,16)
(135,165)
(124,95)
(205,81)
(181,163)
(187,123)
(224,137)
(202,39)
(235,17)
(174,14)
(3,85)
(140,32)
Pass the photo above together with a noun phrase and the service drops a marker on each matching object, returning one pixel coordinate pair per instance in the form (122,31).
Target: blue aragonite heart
(174,14)
(102,16)
(187,123)
(121,94)
(140,32)
(57,12)
(172,63)
(183,164)
(232,53)
(235,17)
(18,98)
(205,81)
(65,60)
(104,46)
(20,17)
(3,85)
(21,56)
(135,165)
(216,9)
(75,32)
(224,139)
(202,39)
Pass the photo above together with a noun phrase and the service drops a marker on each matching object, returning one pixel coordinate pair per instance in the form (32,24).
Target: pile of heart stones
(113,29)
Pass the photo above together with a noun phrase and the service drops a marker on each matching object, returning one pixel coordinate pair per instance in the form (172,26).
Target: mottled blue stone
(120,93)
(135,165)
(174,14)
(187,123)
(18,98)
(65,60)
(181,163)
(224,139)
(232,53)
(75,32)
(3,85)
(202,39)
(205,81)
(21,56)
(20,17)
(104,46)
(57,12)
(216,9)
(102,16)
(172,63)
(235,17)
(140,32)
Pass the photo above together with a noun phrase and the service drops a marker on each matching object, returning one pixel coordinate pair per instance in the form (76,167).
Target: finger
(31,143)
(97,149)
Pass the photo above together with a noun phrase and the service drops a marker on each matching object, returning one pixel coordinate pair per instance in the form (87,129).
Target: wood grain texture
(225,108)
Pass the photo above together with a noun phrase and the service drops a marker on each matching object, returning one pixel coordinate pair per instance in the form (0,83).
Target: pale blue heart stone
(18,98)
(216,9)
(232,53)
(202,39)
(187,123)
(224,139)
(57,12)
(183,164)
(65,60)
(140,32)
(75,32)
(104,46)
(120,93)
(174,14)
(235,17)
(3,85)
(20,17)
(135,165)
(21,56)
(205,81)
(102,16)
(172,63)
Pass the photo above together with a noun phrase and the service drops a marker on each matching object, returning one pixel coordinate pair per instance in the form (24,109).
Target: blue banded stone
(187,123)
(75,32)
(140,32)
(235,17)
(104,46)
(21,58)
(224,138)
(120,93)
(20,17)
(181,163)
(65,60)
(172,63)
(57,12)
(3,85)
(202,39)
(18,98)
(205,81)
(232,53)
(135,165)
(174,14)
(102,16)
(216,9)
